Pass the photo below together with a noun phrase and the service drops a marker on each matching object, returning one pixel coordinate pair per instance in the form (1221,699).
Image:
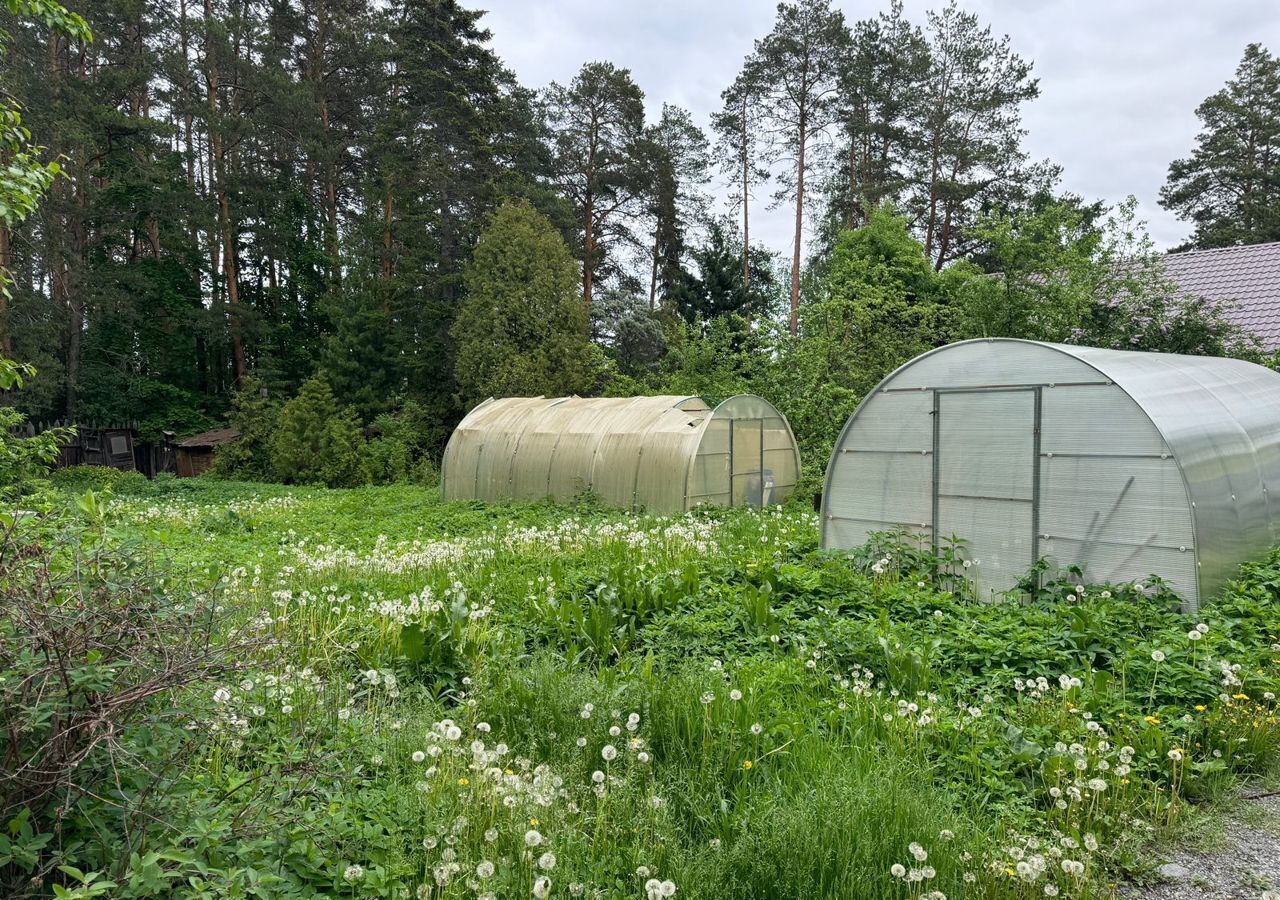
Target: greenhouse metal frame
(664,454)
(1123,463)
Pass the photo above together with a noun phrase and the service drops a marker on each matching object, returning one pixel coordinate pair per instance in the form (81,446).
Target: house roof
(210,438)
(1248,278)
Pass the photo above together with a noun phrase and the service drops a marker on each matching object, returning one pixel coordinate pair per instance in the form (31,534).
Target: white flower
(532,838)
(652,888)
(1202,628)
(547,861)
(1194,635)
(898,870)
(735,694)
(485,869)
(597,776)
(581,742)
(667,889)
(757,728)
(419,756)
(609,752)
(1157,655)
(1175,755)
(642,756)
(353,874)
(918,852)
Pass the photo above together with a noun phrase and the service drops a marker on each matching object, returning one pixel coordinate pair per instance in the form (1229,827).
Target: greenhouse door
(985,469)
(747,456)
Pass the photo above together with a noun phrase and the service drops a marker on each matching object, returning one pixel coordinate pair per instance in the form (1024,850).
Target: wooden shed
(195,454)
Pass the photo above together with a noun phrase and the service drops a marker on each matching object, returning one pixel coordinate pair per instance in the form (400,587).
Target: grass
(707,704)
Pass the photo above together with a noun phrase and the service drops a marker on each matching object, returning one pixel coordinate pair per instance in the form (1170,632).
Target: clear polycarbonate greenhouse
(662,454)
(1126,464)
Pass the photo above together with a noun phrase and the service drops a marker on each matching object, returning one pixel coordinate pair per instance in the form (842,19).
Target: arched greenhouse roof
(664,454)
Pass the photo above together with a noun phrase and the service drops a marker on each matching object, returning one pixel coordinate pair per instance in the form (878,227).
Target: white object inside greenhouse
(1125,464)
(664,454)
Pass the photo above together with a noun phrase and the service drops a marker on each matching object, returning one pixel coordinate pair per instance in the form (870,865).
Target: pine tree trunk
(794,322)
(226,229)
(746,202)
(588,251)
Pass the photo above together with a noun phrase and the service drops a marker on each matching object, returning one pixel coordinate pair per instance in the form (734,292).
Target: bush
(23,459)
(316,440)
(254,416)
(96,653)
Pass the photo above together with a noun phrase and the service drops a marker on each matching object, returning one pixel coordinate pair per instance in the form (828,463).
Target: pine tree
(881,88)
(968,153)
(597,124)
(795,73)
(1229,187)
(677,202)
(740,153)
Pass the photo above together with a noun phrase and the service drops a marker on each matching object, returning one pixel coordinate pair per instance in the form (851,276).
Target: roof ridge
(1200,250)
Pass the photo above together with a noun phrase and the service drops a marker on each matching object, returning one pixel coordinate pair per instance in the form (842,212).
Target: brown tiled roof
(1247,277)
(210,438)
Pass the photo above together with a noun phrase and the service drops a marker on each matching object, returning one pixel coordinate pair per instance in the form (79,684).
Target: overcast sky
(1119,79)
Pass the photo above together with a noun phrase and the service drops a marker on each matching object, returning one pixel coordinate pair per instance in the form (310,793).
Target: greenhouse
(661,454)
(1125,464)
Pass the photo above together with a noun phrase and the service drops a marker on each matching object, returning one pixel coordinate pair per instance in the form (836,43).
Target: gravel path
(1243,865)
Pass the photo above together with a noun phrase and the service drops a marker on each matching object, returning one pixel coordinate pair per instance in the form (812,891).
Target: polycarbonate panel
(1092,499)
(709,478)
(882,490)
(1096,419)
(986,463)
(1116,563)
(665,454)
(989,362)
(1221,421)
(986,444)
(747,460)
(997,537)
(894,421)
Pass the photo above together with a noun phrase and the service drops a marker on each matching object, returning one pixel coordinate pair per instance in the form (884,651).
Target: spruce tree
(521,329)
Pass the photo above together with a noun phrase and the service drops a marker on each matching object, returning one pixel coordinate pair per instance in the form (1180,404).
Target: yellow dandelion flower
(1152,720)
(746,764)
(464,782)
(533,823)
(1201,708)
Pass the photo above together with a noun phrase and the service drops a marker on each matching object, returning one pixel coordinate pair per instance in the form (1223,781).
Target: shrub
(316,440)
(23,459)
(254,416)
(95,651)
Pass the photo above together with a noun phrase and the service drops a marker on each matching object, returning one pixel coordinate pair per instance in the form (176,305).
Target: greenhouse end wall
(1126,464)
(664,454)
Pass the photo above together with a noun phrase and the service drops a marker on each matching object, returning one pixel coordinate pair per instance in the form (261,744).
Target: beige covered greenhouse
(661,454)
